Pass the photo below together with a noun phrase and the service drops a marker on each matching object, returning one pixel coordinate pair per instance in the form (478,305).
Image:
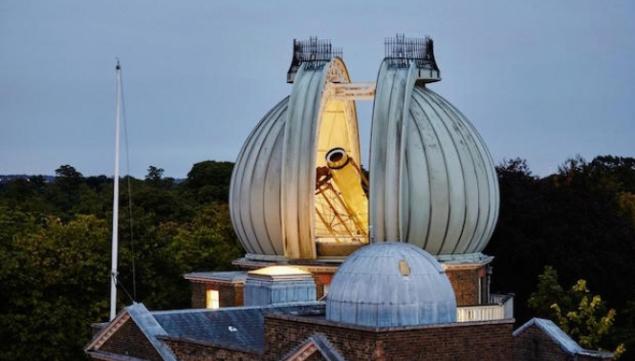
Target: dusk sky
(541,80)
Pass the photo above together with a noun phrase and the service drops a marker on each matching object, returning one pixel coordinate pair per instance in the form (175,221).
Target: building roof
(315,343)
(146,323)
(225,277)
(233,327)
(391,285)
(566,343)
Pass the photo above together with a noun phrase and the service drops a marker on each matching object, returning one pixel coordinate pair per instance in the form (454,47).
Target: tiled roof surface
(235,327)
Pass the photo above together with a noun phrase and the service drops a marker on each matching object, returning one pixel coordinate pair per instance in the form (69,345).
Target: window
(212,299)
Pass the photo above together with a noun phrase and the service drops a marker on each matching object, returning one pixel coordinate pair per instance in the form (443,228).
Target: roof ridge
(320,343)
(151,328)
(556,334)
(327,349)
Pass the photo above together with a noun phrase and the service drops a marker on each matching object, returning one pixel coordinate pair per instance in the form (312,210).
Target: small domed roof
(389,285)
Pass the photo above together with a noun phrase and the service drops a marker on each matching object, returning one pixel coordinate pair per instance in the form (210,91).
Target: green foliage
(548,292)
(54,279)
(209,180)
(579,220)
(55,252)
(578,313)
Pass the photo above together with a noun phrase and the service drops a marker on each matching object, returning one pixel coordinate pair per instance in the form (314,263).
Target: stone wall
(130,341)
(486,341)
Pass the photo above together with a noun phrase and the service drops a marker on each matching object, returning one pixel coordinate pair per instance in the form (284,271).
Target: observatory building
(346,261)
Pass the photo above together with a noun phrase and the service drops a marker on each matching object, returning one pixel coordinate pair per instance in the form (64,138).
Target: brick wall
(317,356)
(130,341)
(321,279)
(187,351)
(465,283)
(534,345)
(490,341)
(229,295)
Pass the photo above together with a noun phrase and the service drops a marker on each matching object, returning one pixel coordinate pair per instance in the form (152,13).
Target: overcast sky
(541,80)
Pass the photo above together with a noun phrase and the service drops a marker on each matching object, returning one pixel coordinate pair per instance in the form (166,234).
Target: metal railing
(502,308)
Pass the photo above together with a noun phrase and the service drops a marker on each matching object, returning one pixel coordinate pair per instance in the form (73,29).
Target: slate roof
(566,343)
(233,327)
(229,277)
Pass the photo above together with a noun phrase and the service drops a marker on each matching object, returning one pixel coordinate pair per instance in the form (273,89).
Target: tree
(209,181)
(578,313)
(67,176)
(54,284)
(547,294)
(154,175)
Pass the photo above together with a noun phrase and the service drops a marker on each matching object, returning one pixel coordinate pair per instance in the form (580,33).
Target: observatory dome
(390,285)
(298,189)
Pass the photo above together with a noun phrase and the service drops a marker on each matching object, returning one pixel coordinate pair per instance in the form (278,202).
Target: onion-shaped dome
(256,185)
(273,197)
(390,285)
(432,180)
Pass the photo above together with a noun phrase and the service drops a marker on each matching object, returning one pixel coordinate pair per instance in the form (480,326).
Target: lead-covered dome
(390,285)
(432,180)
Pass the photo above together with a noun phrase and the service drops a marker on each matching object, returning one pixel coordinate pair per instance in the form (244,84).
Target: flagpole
(115,199)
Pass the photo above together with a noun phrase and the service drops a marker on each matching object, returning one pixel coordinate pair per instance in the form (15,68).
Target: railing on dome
(314,52)
(401,51)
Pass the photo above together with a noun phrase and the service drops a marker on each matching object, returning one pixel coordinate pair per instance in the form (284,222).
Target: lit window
(211,299)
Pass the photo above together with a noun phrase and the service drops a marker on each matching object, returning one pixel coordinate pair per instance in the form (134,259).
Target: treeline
(580,221)
(55,245)
(55,251)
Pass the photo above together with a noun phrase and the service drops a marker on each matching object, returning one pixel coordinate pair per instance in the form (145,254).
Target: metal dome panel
(256,185)
(432,179)
(273,185)
(390,285)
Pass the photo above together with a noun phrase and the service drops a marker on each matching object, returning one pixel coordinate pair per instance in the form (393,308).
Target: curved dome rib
(306,104)
(273,183)
(432,179)
(253,203)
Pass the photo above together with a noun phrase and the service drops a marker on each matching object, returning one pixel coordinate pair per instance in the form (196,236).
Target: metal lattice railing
(401,51)
(314,52)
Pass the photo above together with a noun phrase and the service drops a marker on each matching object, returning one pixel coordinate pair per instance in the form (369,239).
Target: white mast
(115,198)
